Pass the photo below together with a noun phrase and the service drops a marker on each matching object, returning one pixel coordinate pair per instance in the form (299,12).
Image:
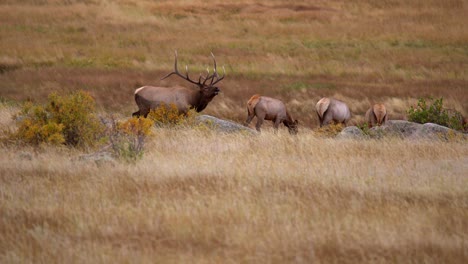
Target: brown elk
(270,109)
(376,115)
(151,97)
(329,109)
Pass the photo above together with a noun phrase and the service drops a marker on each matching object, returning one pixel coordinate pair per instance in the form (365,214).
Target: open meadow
(201,196)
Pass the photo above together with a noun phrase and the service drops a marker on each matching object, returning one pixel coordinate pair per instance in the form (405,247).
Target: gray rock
(377,132)
(411,130)
(351,132)
(435,131)
(400,128)
(223,125)
(25,155)
(100,158)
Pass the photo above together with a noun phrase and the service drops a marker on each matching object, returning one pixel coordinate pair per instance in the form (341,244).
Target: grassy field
(358,51)
(204,197)
(238,198)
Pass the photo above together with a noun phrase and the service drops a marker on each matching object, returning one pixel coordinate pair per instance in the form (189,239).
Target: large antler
(176,72)
(215,73)
(214,77)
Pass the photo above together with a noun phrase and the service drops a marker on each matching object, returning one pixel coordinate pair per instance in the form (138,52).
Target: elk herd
(264,108)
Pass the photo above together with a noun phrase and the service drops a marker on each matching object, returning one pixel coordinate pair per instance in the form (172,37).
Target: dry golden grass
(203,197)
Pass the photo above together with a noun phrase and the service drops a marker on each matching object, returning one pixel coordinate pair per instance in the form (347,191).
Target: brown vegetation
(358,51)
(205,197)
(239,198)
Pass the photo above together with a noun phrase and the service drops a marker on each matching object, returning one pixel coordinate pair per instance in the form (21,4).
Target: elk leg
(259,123)
(326,120)
(249,119)
(136,114)
(260,117)
(276,124)
(320,120)
(374,120)
(141,112)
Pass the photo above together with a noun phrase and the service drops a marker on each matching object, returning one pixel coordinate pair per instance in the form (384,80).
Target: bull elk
(329,109)
(376,115)
(151,97)
(270,109)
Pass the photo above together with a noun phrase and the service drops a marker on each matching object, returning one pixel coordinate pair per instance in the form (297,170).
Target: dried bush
(170,116)
(36,126)
(128,138)
(331,130)
(68,120)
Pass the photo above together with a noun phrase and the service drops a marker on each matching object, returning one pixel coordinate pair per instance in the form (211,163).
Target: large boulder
(223,125)
(351,132)
(435,131)
(399,128)
(101,157)
(411,130)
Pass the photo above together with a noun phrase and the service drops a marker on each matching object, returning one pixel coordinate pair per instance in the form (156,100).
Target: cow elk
(376,115)
(270,109)
(329,109)
(151,97)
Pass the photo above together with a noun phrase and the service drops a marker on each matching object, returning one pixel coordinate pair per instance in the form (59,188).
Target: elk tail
(322,106)
(253,101)
(380,112)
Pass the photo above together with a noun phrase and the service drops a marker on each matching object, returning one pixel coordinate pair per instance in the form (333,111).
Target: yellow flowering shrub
(66,120)
(168,115)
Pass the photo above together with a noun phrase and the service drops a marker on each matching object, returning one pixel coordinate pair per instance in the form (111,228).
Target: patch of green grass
(288,20)
(179,16)
(413,44)
(296,86)
(43,63)
(6,67)
(114,62)
(320,44)
(80,62)
(303,86)
(75,29)
(320,85)
(132,43)
(7,102)
(99,62)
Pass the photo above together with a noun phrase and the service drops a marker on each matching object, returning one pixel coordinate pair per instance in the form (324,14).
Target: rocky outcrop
(405,129)
(223,125)
(101,157)
(351,132)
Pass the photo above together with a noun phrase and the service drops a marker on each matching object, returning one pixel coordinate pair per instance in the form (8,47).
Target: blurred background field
(358,51)
(198,196)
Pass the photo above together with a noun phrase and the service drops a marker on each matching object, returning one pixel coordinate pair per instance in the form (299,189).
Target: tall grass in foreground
(204,197)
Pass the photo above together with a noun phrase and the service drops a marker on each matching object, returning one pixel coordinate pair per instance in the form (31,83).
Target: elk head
(292,127)
(206,84)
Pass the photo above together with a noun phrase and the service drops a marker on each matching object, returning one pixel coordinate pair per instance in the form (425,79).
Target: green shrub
(427,112)
(364,128)
(68,120)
